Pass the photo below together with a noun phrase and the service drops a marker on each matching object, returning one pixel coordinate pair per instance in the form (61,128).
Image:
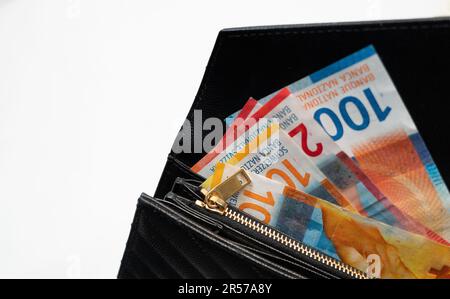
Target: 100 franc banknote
(357,104)
(336,165)
(275,155)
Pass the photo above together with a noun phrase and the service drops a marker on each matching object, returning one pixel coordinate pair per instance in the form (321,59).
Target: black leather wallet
(173,238)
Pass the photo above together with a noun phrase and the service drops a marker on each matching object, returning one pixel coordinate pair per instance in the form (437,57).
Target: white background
(92,94)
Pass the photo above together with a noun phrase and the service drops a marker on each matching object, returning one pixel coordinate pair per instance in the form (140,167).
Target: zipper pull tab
(216,198)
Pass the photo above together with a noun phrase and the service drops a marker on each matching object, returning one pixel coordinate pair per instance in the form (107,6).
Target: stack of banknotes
(337,163)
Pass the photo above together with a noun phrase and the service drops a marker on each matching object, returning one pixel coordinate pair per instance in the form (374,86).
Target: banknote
(335,164)
(357,104)
(274,155)
(233,132)
(373,247)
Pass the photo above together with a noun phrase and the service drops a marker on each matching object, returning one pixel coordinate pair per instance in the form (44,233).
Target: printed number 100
(381,114)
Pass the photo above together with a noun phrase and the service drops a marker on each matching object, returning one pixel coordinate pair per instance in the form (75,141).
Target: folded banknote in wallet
(378,249)
(336,162)
(356,103)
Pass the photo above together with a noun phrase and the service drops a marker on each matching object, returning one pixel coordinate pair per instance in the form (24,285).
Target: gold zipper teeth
(297,246)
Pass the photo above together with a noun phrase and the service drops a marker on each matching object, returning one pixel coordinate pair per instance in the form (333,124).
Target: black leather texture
(171,240)
(162,245)
(255,62)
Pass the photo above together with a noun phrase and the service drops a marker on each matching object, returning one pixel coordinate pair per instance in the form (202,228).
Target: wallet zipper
(216,201)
